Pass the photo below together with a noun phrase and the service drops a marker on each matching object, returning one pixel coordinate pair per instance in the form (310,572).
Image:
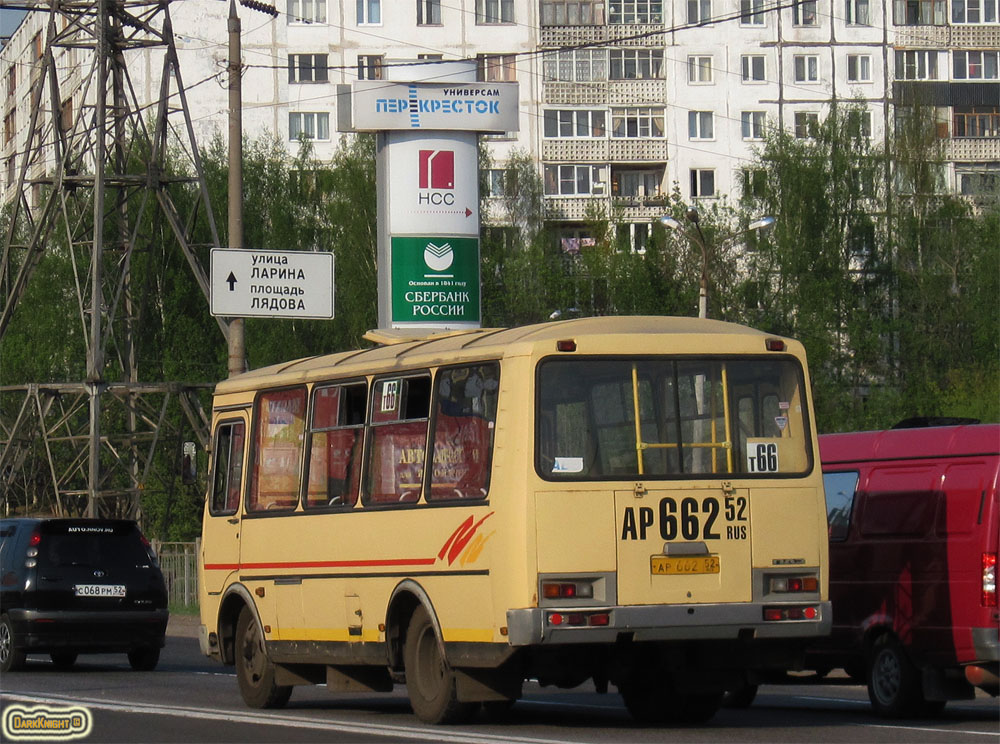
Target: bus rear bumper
(555,626)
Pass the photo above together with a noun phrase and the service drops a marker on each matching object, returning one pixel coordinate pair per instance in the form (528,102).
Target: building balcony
(638,150)
(618,34)
(922,37)
(613,150)
(637,92)
(621,208)
(574,208)
(557,92)
(557,36)
(972,149)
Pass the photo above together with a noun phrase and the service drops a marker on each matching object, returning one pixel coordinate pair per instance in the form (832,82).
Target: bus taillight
(791,584)
(580,619)
(567,590)
(989,579)
(774,344)
(772,614)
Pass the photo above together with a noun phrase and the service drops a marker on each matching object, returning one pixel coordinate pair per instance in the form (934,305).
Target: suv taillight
(989,579)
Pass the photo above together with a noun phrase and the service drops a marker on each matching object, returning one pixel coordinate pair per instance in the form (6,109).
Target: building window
(571,180)
(973,11)
(806,68)
(976,121)
(494,11)
(307,11)
(428,12)
(753,68)
(804,13)
(369,12)
(9,125)
(643,184)
(806,124)
(575,65)
(752,12)
(11,81)
(978,180)
(636,64)
(307,68)
(754,185)
(637,122)
(856,12)
(370,66)
(66,115)
(572,12)
(700,69)
(574,123)
(976,65)
(859,68)
(494,182)
(636,11)
(699,11)
(919,12)
(701,125)
(310,125)
(916,65)
(702,182)
(37,46)
(752,124)
(859,124)
(497,68)
(11,172)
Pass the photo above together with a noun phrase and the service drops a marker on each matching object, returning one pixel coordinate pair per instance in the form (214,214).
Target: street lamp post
(698,238)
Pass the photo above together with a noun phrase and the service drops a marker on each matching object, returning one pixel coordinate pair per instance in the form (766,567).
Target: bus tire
(254,671)
(430,682)
(894,685)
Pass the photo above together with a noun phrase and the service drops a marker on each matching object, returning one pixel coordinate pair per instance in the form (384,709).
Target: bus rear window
(628,418)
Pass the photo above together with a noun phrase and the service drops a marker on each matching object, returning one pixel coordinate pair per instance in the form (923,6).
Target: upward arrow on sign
(231,280)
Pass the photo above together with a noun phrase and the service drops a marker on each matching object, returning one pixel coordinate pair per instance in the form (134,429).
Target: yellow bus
(632,500)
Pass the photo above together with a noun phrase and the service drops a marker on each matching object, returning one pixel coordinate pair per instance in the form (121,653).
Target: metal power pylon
(92,181)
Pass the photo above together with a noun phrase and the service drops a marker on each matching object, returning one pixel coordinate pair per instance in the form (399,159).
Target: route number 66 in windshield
(762,457)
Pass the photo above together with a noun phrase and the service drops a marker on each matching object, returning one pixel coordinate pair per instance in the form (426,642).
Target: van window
(398,438)
(280,419)
(337,435)
(839,488)
(465,411)
(228,464)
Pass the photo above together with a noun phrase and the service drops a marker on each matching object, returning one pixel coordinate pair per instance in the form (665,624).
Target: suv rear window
(95,545)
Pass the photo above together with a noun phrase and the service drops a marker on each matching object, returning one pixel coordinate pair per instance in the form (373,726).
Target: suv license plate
(699,564)
(99,590)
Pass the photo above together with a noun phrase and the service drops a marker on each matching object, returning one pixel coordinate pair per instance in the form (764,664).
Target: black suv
(78,586)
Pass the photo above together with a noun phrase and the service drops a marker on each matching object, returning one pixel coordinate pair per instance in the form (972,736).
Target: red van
(914,524)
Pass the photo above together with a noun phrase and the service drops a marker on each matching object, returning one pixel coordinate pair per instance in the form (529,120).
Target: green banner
(435,280)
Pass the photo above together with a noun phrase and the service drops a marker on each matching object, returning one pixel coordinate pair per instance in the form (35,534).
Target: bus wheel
(254,671)
(648,702)
(894,686)
(430,682)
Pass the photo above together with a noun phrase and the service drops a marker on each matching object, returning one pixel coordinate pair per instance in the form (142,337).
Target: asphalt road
(191,699)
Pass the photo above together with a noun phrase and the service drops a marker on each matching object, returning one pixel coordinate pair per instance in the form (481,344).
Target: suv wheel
(144,659)
(11,657)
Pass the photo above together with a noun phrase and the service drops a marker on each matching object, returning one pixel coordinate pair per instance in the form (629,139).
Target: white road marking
(285,720)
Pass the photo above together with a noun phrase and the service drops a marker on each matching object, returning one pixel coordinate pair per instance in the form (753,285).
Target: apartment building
(620,100)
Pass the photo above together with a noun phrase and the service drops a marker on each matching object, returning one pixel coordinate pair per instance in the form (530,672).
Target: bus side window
(279,419)
(400,407)
(465,409)
(228,464)
(336,438)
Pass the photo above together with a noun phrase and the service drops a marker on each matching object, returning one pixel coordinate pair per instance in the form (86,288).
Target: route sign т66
(272,284)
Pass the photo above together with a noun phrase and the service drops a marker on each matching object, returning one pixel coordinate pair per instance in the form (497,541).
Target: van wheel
(894,686)
(430,682)
(63,659)
(11,657)
(254,671)
(144,659)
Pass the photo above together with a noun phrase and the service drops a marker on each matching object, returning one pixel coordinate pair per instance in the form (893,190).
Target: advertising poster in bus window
(282,426)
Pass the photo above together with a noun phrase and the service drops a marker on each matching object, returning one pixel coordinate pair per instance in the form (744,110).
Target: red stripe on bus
(323,564)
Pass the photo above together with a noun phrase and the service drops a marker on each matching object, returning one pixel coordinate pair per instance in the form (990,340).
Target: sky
(9,20)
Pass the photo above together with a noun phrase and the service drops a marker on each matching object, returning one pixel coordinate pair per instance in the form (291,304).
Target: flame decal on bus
(460,538)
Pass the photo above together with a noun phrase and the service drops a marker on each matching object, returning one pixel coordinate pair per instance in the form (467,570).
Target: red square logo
(437,169)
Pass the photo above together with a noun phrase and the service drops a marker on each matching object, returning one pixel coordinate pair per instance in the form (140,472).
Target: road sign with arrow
(272,284)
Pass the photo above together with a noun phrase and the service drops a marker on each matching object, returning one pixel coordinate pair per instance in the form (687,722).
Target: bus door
(221,530)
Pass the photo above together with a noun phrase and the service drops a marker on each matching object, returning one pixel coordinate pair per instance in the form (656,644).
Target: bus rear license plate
(668,565)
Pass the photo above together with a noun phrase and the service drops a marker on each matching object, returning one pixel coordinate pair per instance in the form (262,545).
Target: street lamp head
(760,224)
(668,221)
(692,215)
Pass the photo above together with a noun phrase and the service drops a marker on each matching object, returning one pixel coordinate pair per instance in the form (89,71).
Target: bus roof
(405,349)
(905,444)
